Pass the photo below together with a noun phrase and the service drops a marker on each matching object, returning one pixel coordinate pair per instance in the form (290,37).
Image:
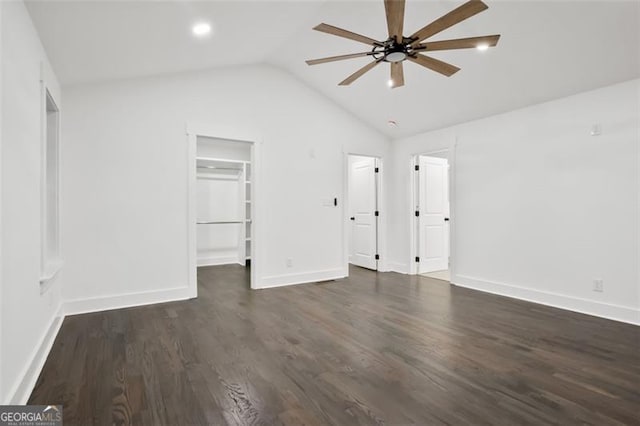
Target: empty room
(319,212)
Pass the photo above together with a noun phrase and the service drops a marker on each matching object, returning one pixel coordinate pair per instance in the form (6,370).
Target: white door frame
(414,201)
(381,219)
(194,130)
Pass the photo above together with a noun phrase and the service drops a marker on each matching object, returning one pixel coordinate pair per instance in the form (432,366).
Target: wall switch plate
(289,262)
(598,285)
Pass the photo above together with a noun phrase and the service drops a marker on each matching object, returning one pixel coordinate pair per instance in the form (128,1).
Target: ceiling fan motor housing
(395,53)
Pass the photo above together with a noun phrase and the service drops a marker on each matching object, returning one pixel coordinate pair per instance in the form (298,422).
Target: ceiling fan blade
(467,10)
(395,18)
(330,29)
(336,58)
(356,75)
(461,43)
(434,64)
(397,75)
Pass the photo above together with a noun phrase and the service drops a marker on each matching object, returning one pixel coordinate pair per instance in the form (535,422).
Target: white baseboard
(308,277)
(401,268)
(215,261)
(22,390)
(383,266)
(106,303)
(590,307)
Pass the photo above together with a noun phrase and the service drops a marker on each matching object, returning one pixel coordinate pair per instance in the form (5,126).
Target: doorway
(222,202)
(433,215)
(363,180)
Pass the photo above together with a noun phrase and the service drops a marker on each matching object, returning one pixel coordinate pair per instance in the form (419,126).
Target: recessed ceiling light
(201,29)
(390,83)
(482,47)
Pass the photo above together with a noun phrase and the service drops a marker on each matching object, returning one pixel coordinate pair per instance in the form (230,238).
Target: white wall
(221,148)
(29,319)
(542,208)
(124,176)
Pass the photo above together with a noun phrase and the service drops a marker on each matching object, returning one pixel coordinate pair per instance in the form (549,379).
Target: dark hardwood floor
(375,348)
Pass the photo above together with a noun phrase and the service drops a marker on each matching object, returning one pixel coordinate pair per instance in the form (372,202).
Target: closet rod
(217,223)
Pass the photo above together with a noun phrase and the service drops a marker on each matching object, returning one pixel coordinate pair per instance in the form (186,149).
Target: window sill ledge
(49,273)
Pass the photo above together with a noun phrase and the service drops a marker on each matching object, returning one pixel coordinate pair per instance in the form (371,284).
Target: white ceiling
(548,49)
(102,40)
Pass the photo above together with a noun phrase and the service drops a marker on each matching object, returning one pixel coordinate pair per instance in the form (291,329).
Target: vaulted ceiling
(548,49)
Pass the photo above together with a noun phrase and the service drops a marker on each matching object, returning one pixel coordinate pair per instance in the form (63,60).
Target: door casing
(193,130)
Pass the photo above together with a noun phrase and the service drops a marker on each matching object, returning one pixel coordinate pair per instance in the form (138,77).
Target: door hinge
(377,257)
(376,170)
(417,213)
(417,259)
(376,213)
(417,167)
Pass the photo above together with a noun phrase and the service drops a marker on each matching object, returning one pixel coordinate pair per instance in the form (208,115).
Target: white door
(434,214)
(362,207)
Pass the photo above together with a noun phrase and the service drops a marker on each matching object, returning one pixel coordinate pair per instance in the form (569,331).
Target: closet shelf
(217,168)
(218,222)
(222,160)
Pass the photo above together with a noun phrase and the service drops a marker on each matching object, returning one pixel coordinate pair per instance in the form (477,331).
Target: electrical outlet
(598,285)
(289,262)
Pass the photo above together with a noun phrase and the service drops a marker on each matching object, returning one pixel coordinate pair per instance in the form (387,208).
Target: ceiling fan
(398,48)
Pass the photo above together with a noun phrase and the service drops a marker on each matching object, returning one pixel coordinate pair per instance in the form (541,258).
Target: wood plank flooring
(377,348)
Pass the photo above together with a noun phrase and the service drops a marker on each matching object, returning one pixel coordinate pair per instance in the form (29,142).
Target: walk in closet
(223,202)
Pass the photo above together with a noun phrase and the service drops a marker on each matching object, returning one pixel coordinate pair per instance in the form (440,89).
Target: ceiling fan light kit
(397,48)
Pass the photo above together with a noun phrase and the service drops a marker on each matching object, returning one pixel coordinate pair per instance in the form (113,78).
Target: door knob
(446,219)
(352,218)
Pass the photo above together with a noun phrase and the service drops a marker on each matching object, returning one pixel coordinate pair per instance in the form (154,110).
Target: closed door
(434,212)
(362,205)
